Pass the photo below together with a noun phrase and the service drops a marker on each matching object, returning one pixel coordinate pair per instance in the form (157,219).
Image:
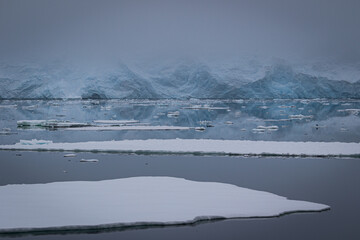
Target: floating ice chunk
(116,121)
(25,123)
(173,114)
(134,201)
(106,108)
(204,122)
(31,107)
(300,116)
(204,146)
(207,107)
(262,129)
(354,111)
(229,123)
(268,128)
(70,155)
(277,120)
(7,131)
(35,142)
(89,160)
(128,128)
(200,129)
(50,123)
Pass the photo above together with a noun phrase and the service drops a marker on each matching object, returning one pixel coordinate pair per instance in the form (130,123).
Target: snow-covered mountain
(183,79)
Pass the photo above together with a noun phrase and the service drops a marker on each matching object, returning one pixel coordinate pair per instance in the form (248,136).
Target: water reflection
(278,120)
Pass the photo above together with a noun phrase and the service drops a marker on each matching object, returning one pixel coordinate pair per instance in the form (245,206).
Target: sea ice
(133,202)
(266,128)
(50,123)
(89,160)
(116,121)
(70,155)
(203,146)
(300,116)
(128,128)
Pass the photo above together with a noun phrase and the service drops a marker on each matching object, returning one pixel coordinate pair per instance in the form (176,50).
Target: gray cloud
(113,28)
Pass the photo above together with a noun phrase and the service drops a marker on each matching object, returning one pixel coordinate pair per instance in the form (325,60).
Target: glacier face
(183,79)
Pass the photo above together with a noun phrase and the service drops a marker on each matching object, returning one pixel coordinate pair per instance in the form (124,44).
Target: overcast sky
(327,28)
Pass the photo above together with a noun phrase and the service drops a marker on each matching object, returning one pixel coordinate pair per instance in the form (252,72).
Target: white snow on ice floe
(134,201)
(202,146)
(89,160)
(70,155)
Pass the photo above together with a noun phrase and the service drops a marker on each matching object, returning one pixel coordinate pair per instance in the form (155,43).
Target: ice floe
(99,125)
(89,160)
(34,142)
(197,146)
(173,114)
(50,123)
(137,201)
(7,131)
(128,128)
(300,116)
(70,155)
(351,111)
(206,107)
(115,122)
(265,128)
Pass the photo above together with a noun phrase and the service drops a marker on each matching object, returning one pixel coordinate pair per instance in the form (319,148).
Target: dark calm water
(330,181)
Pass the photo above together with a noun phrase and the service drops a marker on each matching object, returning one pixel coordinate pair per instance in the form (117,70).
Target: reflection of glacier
(295,120)
(179,80)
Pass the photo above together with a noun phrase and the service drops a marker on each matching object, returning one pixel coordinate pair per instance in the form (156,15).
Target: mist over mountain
(179,49)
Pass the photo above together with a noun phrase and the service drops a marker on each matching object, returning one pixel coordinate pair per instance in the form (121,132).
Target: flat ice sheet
(127,128)
(198,146)
(134,201)
(116,121)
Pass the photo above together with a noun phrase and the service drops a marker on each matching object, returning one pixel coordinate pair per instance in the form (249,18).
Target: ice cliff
(179,80)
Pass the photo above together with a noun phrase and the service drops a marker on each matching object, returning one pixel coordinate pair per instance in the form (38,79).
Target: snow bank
(196,146)
(134,201)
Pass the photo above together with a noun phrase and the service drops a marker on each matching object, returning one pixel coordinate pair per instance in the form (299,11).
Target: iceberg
(136,201)
(197,146)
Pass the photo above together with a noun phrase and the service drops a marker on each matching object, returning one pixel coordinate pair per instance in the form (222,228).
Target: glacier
(180,80)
